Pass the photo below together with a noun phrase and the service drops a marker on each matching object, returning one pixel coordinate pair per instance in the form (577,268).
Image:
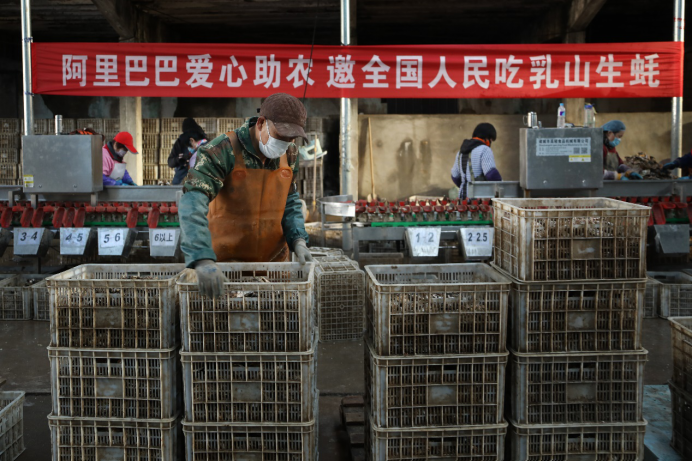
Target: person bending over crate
(240,200)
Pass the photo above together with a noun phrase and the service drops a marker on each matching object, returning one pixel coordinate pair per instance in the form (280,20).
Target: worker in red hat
(240,201)
(114,172)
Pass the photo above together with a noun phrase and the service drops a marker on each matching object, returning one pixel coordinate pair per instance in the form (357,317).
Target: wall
(412,155)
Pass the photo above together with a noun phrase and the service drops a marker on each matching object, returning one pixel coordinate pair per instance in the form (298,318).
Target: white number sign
(163,237)
(28,236)
(424,242)
(478,242)
(110,238)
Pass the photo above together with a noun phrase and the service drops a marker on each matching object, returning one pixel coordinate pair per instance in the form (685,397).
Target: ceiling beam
(582,12)
(130,23)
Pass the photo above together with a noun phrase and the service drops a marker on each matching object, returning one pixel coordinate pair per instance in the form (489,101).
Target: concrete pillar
(575,107)
(131,122)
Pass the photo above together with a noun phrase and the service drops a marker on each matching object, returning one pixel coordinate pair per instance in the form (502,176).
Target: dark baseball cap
(287,114)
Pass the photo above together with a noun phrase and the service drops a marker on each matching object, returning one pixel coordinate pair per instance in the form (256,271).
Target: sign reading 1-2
(424,242)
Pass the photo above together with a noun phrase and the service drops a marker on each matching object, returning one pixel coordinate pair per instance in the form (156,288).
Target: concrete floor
(24,363)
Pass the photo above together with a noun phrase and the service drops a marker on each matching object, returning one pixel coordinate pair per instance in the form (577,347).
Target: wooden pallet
(353,418)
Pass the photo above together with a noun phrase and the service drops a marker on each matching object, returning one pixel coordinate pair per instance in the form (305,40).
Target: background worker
(475,161)
(614,168)
(179,158)
(194,143)
(240,200)
(114,171)
(684,163)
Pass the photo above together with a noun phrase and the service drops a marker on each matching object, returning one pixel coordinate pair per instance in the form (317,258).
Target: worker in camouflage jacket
(240,200)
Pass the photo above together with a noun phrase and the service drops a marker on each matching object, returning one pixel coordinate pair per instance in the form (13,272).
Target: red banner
(617,70)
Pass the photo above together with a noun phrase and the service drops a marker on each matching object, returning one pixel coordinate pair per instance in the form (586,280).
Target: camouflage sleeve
(214,162)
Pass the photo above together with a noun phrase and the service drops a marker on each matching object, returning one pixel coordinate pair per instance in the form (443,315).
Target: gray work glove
(302,252)
(210,279)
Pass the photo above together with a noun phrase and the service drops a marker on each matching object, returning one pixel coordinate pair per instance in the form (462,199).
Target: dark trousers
(181,173)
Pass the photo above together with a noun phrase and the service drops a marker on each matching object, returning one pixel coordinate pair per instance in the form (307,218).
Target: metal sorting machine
(70,210)
(553,163)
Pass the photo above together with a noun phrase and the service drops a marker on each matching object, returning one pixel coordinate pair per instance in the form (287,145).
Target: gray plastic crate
(40,301)
(577,442)
(115,306)
(681,349)
(572,317)
(675,293)
(435,391)
(17,297)
(436,309)
(116,384)
(681,421)
(217,441)
(249,388)
(467,443)
(226,124)
(569,239)
(651,306)
(11,424)
(325,252)
(340,294)
(577,388)
(266,307)
(113,439)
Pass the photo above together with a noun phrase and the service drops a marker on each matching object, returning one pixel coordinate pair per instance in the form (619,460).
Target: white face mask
(274,148)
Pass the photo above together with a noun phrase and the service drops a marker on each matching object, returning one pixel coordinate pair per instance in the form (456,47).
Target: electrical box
(561,158)
(62,164)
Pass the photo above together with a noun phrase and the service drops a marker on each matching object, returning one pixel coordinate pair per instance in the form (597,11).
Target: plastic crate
(44,126)
(40,300)
(675,293)
(249,388)
(325,251)
(11,424)
(577,388)
(681,421)
(172,125)
(168,140)
(114,384)
(96,124)
(106,306)
(226,124)
(150,156)
(111,126)
(459,443)
(681,349)
(151,126)
(9,156)
(69,125)
(150,141)
(215,441)
(569,239)
(150,172)
(314,124)
(165,172)
(436,309)
(9,141)
(8,171)
(266,307)
(162,158)
(651,306)
(9,125)
(113,439)
(15,297)
(340,293)
(579,442)
(444,391)
(207,124)
(573,317)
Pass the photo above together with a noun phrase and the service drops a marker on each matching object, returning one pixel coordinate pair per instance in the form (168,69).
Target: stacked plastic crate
(435,362)
(669,294)
(151,152)
(680,386)
(249,365)
(9,151)
(576,366)
(340,291)
(115,379)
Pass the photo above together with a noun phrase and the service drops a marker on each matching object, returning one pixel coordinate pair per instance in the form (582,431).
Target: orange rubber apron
(245,219)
